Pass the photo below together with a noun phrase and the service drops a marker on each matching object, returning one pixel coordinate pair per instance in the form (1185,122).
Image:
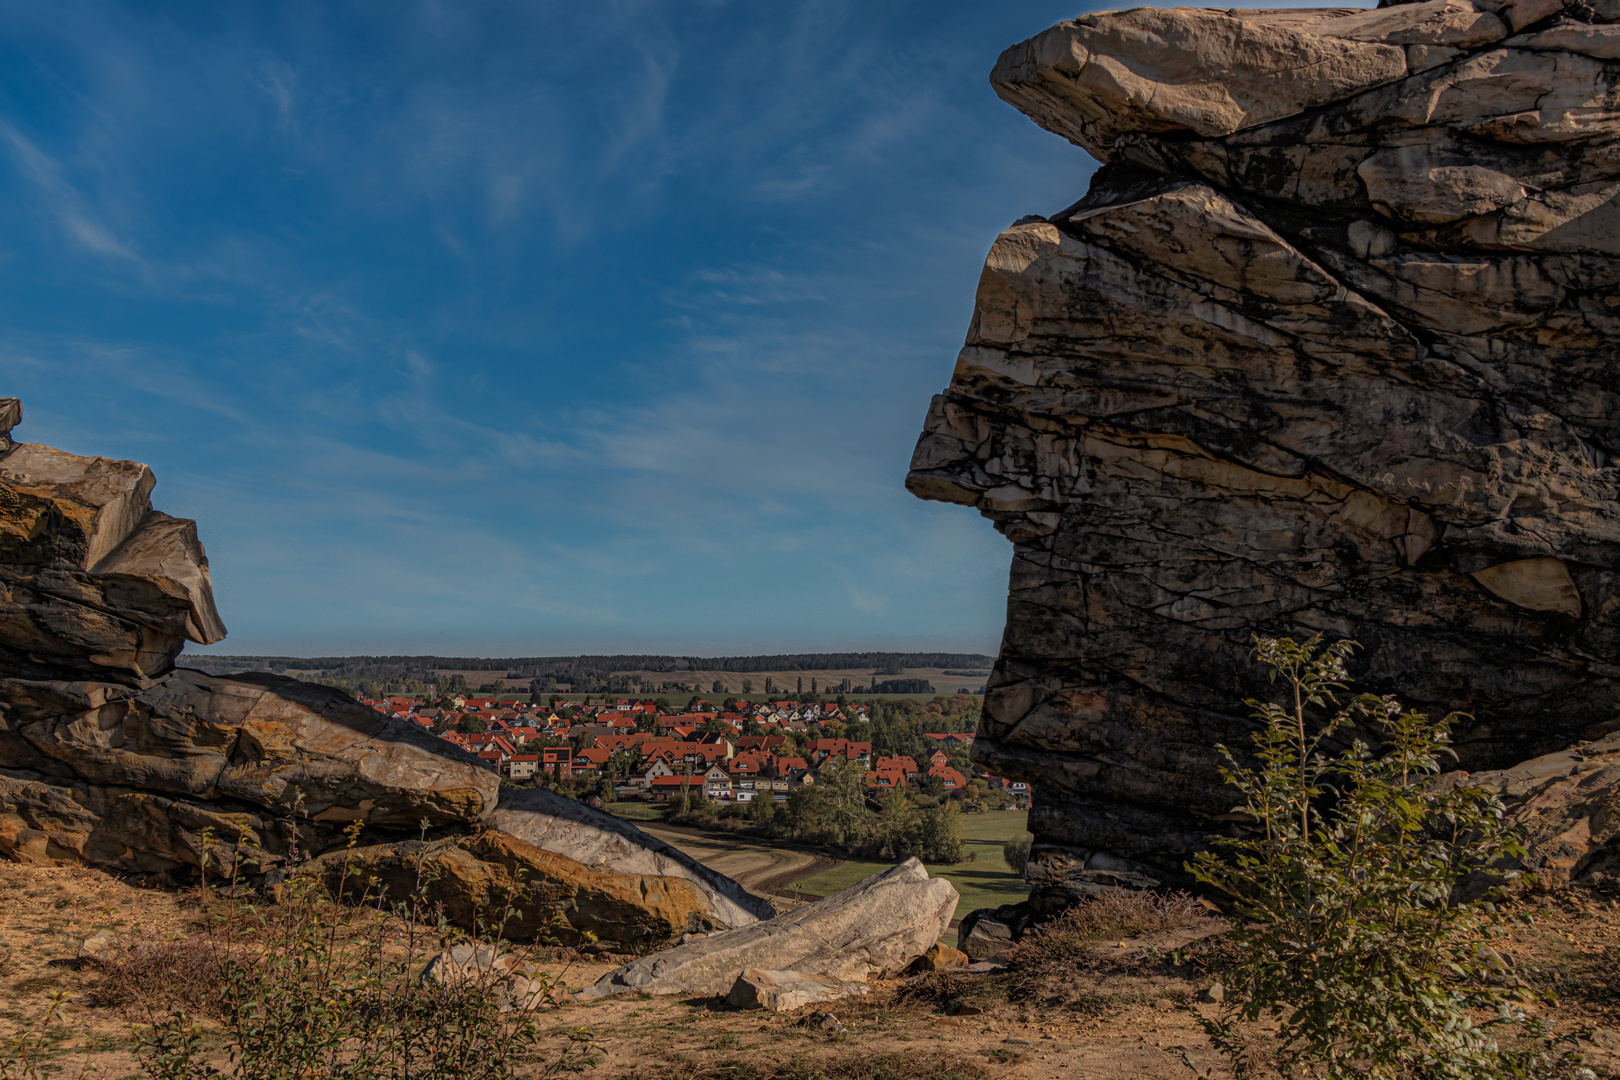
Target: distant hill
(571,668)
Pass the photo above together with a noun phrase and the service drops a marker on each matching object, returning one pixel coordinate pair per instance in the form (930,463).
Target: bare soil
(1123,1010)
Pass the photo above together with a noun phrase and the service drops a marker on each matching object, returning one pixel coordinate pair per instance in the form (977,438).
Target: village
(736,753)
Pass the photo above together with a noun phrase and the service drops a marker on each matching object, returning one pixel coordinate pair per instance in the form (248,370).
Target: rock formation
(112,756)
(871,930)
(1329,346)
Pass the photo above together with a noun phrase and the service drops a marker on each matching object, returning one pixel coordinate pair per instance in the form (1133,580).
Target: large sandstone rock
(1328,347)
(524,892)
(870,930)
(599,840)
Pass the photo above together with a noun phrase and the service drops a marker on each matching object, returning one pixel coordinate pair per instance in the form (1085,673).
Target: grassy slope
(987,881)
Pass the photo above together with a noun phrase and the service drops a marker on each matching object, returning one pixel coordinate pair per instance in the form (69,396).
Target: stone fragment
(988,932)
(870,930)
(64,510)
(101,947)
(526,893)
(599,840)
(786,991)
(518,984)
(940,957)
(10,417)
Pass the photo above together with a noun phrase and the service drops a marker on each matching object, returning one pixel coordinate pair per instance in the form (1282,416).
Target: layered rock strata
(113,757)
(1329,346)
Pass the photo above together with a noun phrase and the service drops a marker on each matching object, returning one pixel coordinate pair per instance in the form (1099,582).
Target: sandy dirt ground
(1124,1015)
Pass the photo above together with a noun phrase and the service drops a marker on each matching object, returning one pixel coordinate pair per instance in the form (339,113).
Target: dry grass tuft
(1114,915)
(183,974)
(844,1067)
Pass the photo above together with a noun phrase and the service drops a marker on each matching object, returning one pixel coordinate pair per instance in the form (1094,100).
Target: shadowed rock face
(1329,346)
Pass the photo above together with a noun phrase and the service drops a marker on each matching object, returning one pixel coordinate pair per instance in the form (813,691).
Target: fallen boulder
(785,991)
(523,892)
(599,840)
(870,930)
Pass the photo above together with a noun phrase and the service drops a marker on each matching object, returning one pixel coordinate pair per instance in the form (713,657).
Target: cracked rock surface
(1328,346)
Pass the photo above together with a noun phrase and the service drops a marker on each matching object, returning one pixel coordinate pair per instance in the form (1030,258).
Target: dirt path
(763,869)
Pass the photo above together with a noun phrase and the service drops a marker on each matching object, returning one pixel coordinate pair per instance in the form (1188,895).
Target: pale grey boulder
(599,840)
(785,991)
(870,930)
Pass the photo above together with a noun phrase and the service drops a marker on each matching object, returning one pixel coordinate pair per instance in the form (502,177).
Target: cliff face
(1329,346)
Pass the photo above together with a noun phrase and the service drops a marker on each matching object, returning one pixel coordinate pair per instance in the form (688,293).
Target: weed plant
(313,989)
(1355,941)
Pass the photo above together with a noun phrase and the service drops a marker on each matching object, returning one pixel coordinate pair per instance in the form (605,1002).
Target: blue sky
(523,328)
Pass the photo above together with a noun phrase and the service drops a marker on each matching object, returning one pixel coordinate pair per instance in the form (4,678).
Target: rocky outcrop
(870,930)
(1327,347)
(600,841)
(524,891)
(112,756)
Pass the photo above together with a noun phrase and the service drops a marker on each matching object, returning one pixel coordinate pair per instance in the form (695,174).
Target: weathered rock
(518,984)
(940,957)
(870,930)
(985,932)
(1568,806)
(101,947)
(259,739)
(112,757)
(601,841)
(93,581)
(785,991)
(526,893)
(1330,350)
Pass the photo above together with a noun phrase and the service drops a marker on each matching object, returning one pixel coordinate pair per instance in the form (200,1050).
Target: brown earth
(1116,1015)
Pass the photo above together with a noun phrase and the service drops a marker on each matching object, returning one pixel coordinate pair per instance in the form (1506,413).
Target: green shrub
(1016,852)
(311,989)
(1353,940)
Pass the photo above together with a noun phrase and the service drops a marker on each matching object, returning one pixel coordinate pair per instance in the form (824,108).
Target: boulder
(870,930)
(518,984)
(985,932)
(785,991)
(521,891)
(599,840)
(1328,346)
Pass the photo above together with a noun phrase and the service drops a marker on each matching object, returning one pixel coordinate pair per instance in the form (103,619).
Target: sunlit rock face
(1332,344)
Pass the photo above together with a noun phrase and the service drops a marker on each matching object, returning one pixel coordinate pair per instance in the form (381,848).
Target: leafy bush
(311,988)
(1016,852)
(1356,944)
